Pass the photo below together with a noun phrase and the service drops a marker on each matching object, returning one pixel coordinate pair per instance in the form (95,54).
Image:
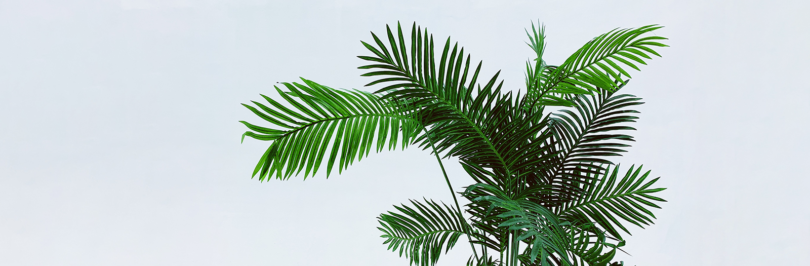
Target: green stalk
(508,250)
(512,249)
(452,192)
(511,254)
(515,248)
(505,247)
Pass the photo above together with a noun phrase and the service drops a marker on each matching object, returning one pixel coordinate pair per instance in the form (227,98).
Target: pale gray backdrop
(119,141)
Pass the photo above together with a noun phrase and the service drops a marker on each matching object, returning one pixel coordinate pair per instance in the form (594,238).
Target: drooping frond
(586,134)
(420,232)
(322,124)
(613,198)
(599,62)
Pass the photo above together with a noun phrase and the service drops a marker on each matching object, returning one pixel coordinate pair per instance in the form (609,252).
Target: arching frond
(613,198)
(599,62)
(420,232)
(586,134)
(323,123)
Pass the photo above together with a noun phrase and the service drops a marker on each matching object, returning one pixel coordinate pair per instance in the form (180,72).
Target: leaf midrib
(306,125)
(600,200)
(424,234)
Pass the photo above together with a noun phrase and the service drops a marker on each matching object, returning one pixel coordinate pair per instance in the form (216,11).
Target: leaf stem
(452,192)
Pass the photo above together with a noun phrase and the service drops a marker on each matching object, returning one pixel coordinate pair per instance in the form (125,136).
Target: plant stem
(515,248)
(508,251)
(452,192)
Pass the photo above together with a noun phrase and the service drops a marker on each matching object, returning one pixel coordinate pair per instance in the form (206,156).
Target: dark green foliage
(585,136)
(627,197)
(545,191)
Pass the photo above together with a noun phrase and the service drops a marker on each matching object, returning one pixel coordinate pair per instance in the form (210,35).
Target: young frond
(537,71)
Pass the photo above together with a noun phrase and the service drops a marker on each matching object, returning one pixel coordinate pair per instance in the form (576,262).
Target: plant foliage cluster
(544,191)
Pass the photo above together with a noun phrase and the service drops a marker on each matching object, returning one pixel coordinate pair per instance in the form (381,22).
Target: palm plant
(543,192)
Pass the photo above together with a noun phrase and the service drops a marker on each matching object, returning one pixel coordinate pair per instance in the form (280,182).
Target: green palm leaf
(474,125)
(324,123)
(612,199)
(456,114)
(589,244)
(524,220)
(587,134)
(599,62)
(421,232)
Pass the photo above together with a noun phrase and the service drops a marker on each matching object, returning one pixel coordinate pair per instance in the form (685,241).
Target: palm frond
(525,221)
(586,135)
(495,138)
(421,232)
(303,132)
(586,249)
(589,243)
(612,198)
(598,63)
(462,121)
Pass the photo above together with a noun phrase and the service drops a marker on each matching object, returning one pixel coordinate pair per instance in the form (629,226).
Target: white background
(119,140)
